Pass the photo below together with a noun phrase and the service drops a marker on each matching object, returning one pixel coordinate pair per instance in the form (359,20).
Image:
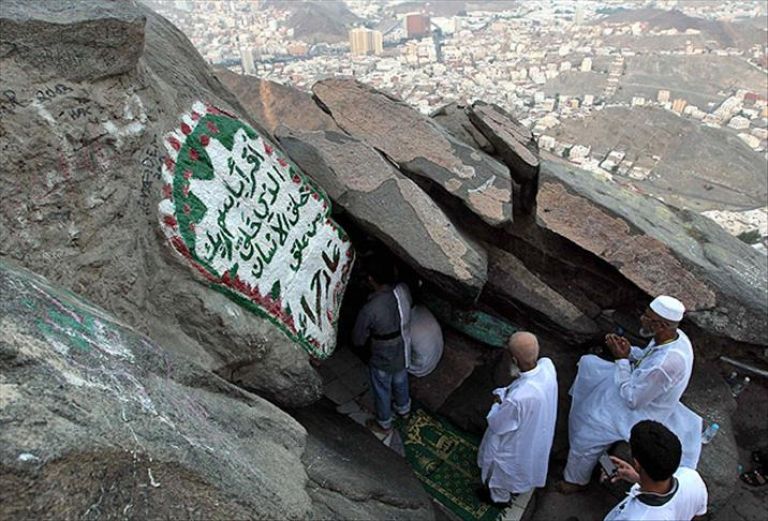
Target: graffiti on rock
(254,226)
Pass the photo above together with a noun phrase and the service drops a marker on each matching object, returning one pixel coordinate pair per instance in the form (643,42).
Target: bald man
(514,453)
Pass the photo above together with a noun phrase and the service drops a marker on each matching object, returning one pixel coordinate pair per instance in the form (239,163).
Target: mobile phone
(609,467)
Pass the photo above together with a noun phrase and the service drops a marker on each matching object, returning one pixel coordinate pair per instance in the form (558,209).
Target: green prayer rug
(445,461)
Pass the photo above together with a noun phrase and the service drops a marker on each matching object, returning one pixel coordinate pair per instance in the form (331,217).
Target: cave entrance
(449,403)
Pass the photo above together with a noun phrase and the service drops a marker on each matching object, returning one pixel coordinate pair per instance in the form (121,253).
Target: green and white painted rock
(254,226)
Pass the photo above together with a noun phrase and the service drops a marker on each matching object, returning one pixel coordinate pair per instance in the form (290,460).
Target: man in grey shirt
(379,322)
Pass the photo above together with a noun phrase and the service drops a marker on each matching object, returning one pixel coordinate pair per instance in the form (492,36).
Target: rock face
(661,251)
(91,166)
(513,143)
(383,486)
(454,118)
(523,294)
(419,147)
(52,39)
(390,207)
(273,104)
(99,420)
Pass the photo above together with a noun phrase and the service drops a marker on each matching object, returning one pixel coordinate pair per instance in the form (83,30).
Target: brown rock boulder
(420,147)
(721,280)
(390,207)
(273,104)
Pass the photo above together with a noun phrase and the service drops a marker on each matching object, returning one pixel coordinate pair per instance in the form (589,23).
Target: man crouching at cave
(379,322)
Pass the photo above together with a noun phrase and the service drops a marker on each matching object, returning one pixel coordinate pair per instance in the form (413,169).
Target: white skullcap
(668,308)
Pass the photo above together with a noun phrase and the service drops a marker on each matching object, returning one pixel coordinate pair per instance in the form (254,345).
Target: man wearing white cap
(641,384)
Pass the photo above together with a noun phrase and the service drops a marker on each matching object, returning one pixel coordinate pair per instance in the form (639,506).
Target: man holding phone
(662,490)
(610,397)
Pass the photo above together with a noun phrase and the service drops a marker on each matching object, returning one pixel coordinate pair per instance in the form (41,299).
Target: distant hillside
(664,20)
(313,22)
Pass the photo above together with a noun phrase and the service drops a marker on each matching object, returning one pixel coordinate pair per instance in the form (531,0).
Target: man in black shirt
(379,322)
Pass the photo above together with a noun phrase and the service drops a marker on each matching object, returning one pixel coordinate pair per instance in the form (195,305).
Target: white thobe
(404,305)
(609,398)
(514,453)
(426,342)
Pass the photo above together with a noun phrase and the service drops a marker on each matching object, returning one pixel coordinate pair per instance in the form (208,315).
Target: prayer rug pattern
(445,461)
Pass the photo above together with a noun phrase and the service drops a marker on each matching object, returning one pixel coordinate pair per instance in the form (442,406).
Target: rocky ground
(201,233)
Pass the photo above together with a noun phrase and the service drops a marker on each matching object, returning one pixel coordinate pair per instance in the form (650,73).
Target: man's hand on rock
(619,346)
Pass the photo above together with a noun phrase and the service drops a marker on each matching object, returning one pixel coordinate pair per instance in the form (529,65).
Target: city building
(679,105)
(364,41)
(738,123)
(638,101)
(663,96)
(416,25)
(586,64)
(246,60)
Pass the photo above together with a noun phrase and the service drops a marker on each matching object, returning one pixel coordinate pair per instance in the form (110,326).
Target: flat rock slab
(513,143)
(519,290)
(391,207)
(460,358)
(721,280)
(99,418)
(454,118)
(353,475)
(273,104)
(420,147)
(74,40)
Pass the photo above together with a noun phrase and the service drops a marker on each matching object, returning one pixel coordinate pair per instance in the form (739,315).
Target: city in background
(665,97)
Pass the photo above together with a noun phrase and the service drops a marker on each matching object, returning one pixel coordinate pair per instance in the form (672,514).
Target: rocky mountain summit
(176,246)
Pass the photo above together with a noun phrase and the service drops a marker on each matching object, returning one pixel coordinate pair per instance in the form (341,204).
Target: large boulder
(53,39)
(274,105)
(354,476)
(455,119)
(247,273)
(661,250)
(526,298)
(513,143)
(420,147)
(100,422)
(390,207)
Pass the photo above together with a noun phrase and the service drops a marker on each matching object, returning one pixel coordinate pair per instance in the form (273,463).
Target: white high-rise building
(247,61)
(586,64)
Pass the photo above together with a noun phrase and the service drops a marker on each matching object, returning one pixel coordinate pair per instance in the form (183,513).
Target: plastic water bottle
(709,433)
(739,387)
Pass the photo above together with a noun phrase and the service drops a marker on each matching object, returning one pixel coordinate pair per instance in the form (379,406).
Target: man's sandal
(754,478)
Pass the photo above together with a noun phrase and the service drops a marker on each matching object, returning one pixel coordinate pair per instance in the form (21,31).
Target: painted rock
(253,225)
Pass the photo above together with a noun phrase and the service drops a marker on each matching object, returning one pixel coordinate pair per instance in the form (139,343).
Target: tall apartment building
(663,96)
(416,25)
(247,61)
(679,105)
(365,41)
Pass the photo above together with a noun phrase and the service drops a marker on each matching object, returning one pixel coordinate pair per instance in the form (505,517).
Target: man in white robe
(421,333)
(514,453)
(641,384)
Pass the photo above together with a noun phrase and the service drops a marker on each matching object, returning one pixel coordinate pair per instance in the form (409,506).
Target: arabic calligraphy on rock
(255,226)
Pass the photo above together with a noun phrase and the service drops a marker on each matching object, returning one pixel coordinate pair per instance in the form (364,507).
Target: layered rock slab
(513,143)
(273,104)
(390,207)
(454,118)
(522,293)
(721,281)
(101,421)
(354,476)
(420,147)
(76,41)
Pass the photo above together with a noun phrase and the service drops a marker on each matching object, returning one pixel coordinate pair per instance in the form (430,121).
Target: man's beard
(645,332)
